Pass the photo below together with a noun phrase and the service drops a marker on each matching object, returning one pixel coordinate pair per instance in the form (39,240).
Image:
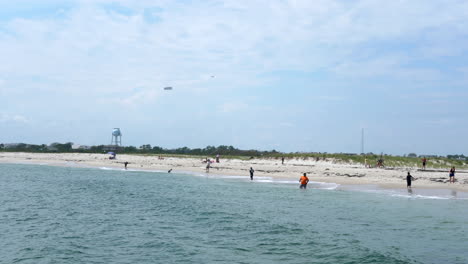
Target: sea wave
(413,194)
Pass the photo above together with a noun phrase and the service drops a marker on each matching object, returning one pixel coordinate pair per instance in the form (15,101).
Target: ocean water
(84,215)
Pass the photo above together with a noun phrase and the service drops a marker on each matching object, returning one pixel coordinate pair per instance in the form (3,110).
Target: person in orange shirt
(304,180)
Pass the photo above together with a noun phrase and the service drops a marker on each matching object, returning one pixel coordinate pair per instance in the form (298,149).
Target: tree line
(148,149)
(143,149)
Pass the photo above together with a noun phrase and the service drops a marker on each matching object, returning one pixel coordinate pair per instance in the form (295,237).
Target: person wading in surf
(409,178)
(304,180)
(208,165)
(251,173)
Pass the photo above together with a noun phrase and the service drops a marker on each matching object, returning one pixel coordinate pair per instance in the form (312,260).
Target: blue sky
(289,75)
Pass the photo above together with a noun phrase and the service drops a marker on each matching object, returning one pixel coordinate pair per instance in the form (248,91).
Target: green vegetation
(459,161)
(229,152)
(144,149)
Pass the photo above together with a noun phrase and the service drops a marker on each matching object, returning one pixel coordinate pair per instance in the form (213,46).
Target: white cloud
(230,107)
(331,98)
(135,99)
(287,124)
(92,56)
(3,90)
(440,122)
(15,118)
(104,50)
(393,66)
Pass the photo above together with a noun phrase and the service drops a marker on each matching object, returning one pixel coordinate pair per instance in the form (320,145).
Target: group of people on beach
(410,178)
(304,180)
(379,164)
(209,161)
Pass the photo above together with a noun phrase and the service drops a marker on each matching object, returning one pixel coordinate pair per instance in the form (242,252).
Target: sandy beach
(329,171)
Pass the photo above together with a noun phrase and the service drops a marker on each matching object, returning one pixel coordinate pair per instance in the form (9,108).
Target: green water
(78,215)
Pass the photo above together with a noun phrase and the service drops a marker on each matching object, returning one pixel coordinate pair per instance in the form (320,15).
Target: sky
(289,75)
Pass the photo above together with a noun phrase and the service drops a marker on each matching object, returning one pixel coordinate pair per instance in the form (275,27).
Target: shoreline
(331,172)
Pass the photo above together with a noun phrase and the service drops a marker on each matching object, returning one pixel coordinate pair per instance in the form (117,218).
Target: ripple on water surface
(77,215)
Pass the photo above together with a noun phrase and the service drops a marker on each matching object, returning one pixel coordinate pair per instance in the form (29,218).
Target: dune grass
(389,161)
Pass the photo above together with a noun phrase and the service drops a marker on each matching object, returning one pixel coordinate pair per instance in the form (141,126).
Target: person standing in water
(251,173)
(409,178)
(452,175)
(282,160)
(424,160)
(126,163)
(304,180)
(208,165)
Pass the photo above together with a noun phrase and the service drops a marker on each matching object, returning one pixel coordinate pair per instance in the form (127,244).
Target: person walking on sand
(251,173)
(452,175)
(208,165)
(304,180)
(380,163)
(217,158)
(424,160)
(126,163)
(282,160)
(409,178)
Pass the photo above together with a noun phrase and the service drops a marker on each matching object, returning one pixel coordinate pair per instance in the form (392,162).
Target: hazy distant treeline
(144,149)
(221,150)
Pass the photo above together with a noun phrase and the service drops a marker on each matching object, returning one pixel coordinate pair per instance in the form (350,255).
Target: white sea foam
(106,168)
(131,170)
(264,179)
(313,185)
(418,196)
(424,194)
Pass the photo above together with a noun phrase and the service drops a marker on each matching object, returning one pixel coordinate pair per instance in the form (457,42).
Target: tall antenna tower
(362,141)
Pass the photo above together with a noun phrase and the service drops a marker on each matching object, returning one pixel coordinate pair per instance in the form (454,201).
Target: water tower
(116,137)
